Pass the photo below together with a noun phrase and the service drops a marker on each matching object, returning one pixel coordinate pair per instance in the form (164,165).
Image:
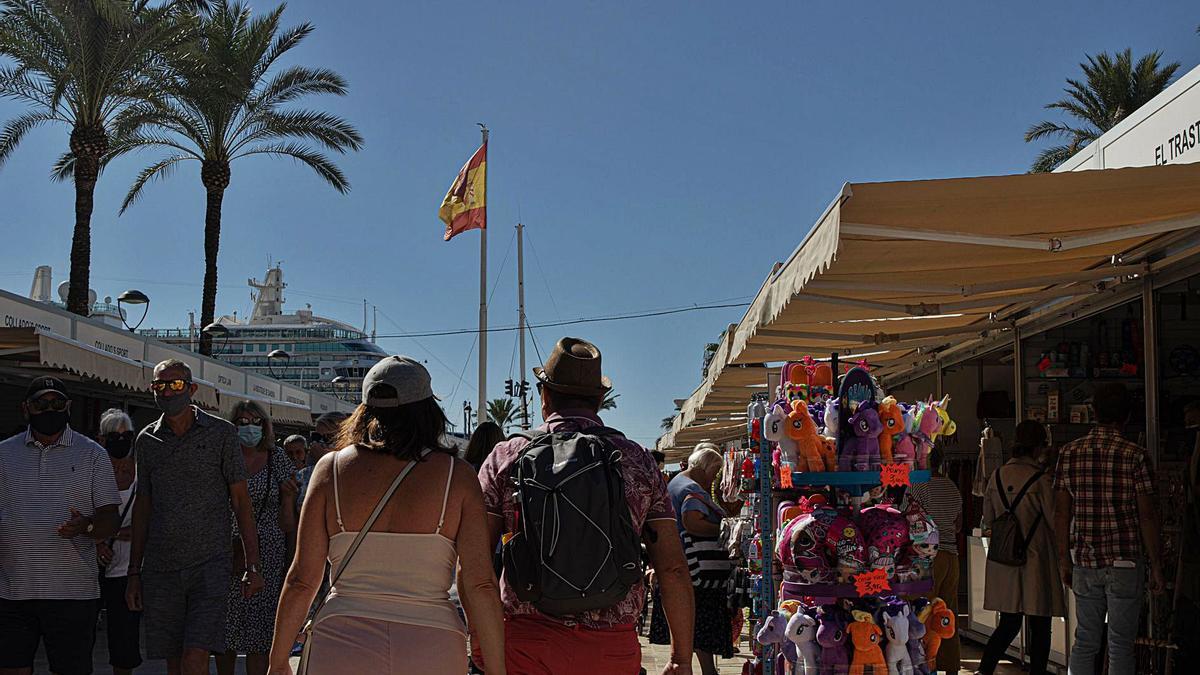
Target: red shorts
(538,646)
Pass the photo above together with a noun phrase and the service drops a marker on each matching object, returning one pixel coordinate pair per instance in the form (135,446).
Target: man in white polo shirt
(58,497)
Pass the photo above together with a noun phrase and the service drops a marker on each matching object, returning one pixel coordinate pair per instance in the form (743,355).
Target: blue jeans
(1117,593)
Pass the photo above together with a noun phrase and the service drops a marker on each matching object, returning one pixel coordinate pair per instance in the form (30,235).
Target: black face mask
(172,405)
(50,422)
(118,446)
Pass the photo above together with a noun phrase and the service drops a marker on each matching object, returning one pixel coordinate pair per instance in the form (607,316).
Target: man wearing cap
(600,641)
(58,497)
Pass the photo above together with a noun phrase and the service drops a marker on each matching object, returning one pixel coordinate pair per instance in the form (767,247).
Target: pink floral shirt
(644,489)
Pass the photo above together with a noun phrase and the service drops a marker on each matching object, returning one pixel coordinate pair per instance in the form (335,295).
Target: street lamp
(337,382)
(276,354)
(215,331)
(133,297)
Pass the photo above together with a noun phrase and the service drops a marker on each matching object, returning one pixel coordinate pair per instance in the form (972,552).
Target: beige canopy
(40,348)
(896,267)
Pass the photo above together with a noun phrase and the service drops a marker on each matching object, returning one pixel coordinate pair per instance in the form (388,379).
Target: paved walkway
(654,657)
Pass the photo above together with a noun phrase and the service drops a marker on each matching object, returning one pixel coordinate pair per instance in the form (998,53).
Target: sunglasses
(169,385)
(246,421)
(123,436)
(41,405)
(314,437)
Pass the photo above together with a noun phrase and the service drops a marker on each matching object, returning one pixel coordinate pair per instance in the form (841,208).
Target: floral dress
(249,624)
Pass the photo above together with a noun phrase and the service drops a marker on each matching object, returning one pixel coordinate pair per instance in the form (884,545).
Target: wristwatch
(91,526)
(252,568)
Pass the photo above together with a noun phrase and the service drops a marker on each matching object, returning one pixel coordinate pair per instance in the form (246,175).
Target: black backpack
(1009,545)
(575,548)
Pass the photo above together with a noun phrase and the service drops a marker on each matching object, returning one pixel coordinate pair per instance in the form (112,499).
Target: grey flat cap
(406,376)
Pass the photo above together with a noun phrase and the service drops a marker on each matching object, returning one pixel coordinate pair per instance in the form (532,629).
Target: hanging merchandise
(837,538)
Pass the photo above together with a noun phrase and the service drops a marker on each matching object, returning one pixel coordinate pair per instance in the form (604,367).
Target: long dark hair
(403,432)
(486,436)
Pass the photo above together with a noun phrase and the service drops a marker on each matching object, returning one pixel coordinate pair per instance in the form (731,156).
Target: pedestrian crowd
(369,546)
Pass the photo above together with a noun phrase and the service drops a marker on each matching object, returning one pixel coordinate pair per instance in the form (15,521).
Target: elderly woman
(1031,592)
(699,521)
(122,625)
(272,487)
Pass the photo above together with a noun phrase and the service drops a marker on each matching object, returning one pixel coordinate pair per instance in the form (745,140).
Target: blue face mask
(250,435)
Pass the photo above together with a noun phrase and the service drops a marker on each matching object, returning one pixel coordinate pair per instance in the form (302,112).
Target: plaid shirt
(1104,474)
(644,489)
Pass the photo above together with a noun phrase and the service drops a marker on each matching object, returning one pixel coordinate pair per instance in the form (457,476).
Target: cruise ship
(309,351)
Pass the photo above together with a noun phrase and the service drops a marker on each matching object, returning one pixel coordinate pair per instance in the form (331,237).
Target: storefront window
(1179,365)
(1061,367)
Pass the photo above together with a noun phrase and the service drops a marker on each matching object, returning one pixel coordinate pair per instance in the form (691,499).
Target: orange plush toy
(867,638)
(939,625)
(801,428)
(893,423)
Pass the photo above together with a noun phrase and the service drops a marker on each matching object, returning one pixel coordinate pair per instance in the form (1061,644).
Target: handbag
(311,624)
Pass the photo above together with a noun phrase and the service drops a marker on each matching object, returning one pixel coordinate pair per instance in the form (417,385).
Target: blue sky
(660,154)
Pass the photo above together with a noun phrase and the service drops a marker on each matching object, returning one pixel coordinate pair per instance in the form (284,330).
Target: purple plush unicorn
(831,635)
(916,631)
(774,632)
(860,452)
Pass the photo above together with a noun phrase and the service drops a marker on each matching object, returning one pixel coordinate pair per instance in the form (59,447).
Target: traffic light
(508,388)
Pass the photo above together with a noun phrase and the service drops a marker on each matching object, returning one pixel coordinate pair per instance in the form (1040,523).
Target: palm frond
(16,129)
(159,170)
(1050,158)
(314,160)
(329,130)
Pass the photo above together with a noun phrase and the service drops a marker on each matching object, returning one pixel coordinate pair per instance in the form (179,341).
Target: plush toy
(886,536)
(916,560)
(866,637)
(916,635)
(829,453)
(821,547)
(893,425)
(939,625)
(832,637)
(860,452)
(948,427)
(775,429)
(772,633)
(801,429)
(831,418)
(929,424)
(802,631)
(895,629)
(904,450)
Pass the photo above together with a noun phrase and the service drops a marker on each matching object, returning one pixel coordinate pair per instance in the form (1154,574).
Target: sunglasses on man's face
(169,385)
(41,405)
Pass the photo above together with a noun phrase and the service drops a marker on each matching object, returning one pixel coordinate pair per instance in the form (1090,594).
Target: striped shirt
(39,485)
(943,502)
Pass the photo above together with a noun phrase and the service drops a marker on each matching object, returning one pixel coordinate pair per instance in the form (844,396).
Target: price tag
(871,583)
(894,475)
(785,476)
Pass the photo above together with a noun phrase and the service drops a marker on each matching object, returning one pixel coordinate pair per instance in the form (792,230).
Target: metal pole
(1150,368)
(482,411)
(521,321)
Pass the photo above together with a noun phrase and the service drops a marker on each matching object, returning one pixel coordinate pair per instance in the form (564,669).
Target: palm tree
(1113,87)
(223,104)
(668,423)
(610,401)
(83,63)
(501,411)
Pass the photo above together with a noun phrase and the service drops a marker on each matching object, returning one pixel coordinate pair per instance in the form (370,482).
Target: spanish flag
(465,205)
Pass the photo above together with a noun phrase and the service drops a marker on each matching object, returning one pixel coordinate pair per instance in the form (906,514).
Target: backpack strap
(1011,507)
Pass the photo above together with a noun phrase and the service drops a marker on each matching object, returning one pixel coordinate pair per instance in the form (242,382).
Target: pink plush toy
(929,424)
(916,560)
(886,536)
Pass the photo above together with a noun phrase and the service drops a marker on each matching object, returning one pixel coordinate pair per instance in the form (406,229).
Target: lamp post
(216,330)
(133,297)
(337,383)
(276,354)
(467,417)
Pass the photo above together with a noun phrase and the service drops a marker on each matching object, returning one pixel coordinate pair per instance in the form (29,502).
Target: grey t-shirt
(187,481)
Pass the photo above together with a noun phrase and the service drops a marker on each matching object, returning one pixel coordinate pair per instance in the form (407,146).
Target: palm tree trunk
(212,243)
(89,143)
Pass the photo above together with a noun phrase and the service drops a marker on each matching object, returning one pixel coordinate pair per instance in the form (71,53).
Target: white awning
(291,413)
(35,345)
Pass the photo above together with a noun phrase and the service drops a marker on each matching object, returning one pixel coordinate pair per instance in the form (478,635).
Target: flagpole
(521,321)
(482,410)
